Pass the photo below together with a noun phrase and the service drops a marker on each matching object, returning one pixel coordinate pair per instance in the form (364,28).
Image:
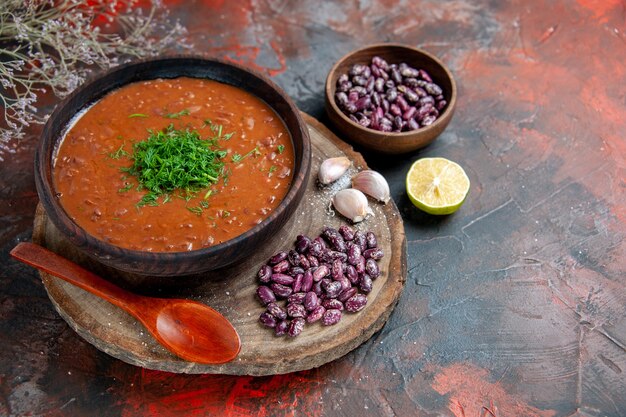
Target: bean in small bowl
(390,98)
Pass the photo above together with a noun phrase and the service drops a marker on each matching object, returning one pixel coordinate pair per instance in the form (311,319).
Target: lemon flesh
(437,185)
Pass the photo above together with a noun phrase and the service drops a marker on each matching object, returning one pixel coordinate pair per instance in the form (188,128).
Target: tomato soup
(96,186)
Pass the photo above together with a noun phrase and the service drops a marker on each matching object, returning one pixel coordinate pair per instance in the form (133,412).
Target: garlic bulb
(373,184)
(332,169)
(352,204)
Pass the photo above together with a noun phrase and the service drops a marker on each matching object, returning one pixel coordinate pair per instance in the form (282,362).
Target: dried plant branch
(54,44)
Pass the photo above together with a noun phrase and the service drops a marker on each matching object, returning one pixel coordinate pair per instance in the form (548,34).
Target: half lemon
(437,185)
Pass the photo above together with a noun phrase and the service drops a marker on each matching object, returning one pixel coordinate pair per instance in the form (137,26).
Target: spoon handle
(48,261)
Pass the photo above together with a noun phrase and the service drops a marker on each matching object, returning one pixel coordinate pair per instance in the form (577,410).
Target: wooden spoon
(189,329)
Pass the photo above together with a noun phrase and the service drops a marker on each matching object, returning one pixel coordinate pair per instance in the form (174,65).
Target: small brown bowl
(389,142)
(172,263)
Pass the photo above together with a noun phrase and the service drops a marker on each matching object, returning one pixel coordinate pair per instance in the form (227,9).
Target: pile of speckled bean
(319,279)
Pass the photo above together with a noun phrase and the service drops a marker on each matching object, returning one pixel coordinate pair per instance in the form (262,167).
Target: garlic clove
(373,184)
(332,169)
(353,204)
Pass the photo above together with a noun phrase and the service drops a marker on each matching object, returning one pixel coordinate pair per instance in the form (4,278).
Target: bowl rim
(98,247)
(441,120)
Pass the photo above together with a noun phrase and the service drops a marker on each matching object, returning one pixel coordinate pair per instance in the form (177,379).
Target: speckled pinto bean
(297,282)
(332,289)
(282,291)
(304,263)
(359,239)
(365,283)
(355,303)
(373,253)
(296,326)
(265,274)
(295,270)
(354,253)
(307,281)
(296,310)
(346,232)
(321,277)
(311,301)
(280,256)
(296,298)
(332,304)
(316,314)
(368,89)
(352,275)
(277,311)
(371,267)
(281,328)
(281,266)
(302,243)
(331,317)
(293,257)
(370,239)
(267,320)
(320,272)
(265,294)
(345,283)
(282,279)
(347,294)
(337,269)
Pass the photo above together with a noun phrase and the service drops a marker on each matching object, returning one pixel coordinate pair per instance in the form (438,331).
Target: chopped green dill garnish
(236,158)
(131,116)
(178,115)
(217,129)
(225,213)
(127,187)
(175,160)
(226,172)
(272,169)
(199,209)
(208,194)
(195,210)
(281,148)
(119,153)
(148,200)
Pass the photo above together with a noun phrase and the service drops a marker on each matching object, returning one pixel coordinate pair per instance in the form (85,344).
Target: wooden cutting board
(231,291)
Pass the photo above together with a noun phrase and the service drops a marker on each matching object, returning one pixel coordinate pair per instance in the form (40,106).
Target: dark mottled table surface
(514,306)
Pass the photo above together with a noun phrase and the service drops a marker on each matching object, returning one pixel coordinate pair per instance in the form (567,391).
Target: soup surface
(94,186)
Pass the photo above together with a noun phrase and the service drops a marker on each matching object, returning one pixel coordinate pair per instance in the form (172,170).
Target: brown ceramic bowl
(172,263)
(387,142)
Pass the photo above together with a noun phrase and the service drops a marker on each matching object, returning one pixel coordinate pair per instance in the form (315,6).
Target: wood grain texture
(231,291)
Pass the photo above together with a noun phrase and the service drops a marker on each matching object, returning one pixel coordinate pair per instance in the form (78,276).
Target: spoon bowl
(181,327)
(189,329)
